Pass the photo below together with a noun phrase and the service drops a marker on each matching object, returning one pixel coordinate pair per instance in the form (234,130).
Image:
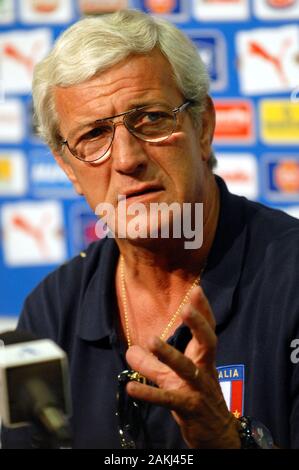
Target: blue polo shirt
(251,280)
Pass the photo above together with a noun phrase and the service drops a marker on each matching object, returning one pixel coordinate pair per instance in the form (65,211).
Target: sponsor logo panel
(221,10)
(212,49)
(94,7)
(235,122)
(20,50)
(7,11)
(33,233)
(268,59)
(280,174)
(174,10)
(279,122)
(12,126)
(2,92)
(46,177)
(46,11)
(13,173)
(276,9)
(240,172)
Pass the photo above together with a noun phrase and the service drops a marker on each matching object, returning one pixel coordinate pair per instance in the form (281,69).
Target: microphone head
(33,381)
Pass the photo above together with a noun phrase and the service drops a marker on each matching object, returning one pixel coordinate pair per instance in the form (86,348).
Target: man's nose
(128,153)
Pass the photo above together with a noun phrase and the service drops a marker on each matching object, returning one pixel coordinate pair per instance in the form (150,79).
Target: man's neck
(159,260)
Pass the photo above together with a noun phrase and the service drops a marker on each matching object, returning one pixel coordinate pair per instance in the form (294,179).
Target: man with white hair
(169,346)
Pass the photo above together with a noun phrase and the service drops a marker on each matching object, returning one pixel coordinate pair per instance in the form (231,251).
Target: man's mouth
(142,191)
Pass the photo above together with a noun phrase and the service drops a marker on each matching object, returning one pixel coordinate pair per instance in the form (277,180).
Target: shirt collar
(219,281)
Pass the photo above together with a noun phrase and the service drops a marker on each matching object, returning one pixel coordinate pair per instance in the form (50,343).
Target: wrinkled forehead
(135,81)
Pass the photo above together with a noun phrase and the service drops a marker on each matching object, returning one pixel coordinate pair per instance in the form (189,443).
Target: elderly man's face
(174,170)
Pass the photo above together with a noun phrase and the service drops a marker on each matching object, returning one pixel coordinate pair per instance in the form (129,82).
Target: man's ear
(68,170)
(207,128)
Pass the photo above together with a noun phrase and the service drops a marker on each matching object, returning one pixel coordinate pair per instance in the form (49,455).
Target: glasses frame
(106,154)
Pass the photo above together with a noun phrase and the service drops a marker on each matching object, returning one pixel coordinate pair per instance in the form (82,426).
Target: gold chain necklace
(125,303)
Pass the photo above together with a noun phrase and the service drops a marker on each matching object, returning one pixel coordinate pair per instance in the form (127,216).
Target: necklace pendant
(131,375)
(138,377)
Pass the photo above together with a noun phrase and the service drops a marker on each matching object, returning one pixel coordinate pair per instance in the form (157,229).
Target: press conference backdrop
(251,50)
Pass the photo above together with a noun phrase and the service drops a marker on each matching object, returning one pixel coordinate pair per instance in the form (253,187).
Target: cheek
(185,161)
(94,182)
(188,172)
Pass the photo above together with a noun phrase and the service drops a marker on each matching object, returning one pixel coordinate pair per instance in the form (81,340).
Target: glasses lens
(95,143)
(151,123)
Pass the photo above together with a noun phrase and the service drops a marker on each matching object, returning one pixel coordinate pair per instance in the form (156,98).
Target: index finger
(145,363)
(200,302)
(202,348)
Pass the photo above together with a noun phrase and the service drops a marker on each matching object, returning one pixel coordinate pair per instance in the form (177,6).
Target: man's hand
(188,383)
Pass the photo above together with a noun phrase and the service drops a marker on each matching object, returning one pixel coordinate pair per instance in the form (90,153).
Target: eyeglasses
(131,425)
(151,123)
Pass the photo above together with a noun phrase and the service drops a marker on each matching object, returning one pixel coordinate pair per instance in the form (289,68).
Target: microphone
(34,386)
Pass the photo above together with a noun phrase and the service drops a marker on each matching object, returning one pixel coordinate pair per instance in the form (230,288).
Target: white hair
(95,44)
